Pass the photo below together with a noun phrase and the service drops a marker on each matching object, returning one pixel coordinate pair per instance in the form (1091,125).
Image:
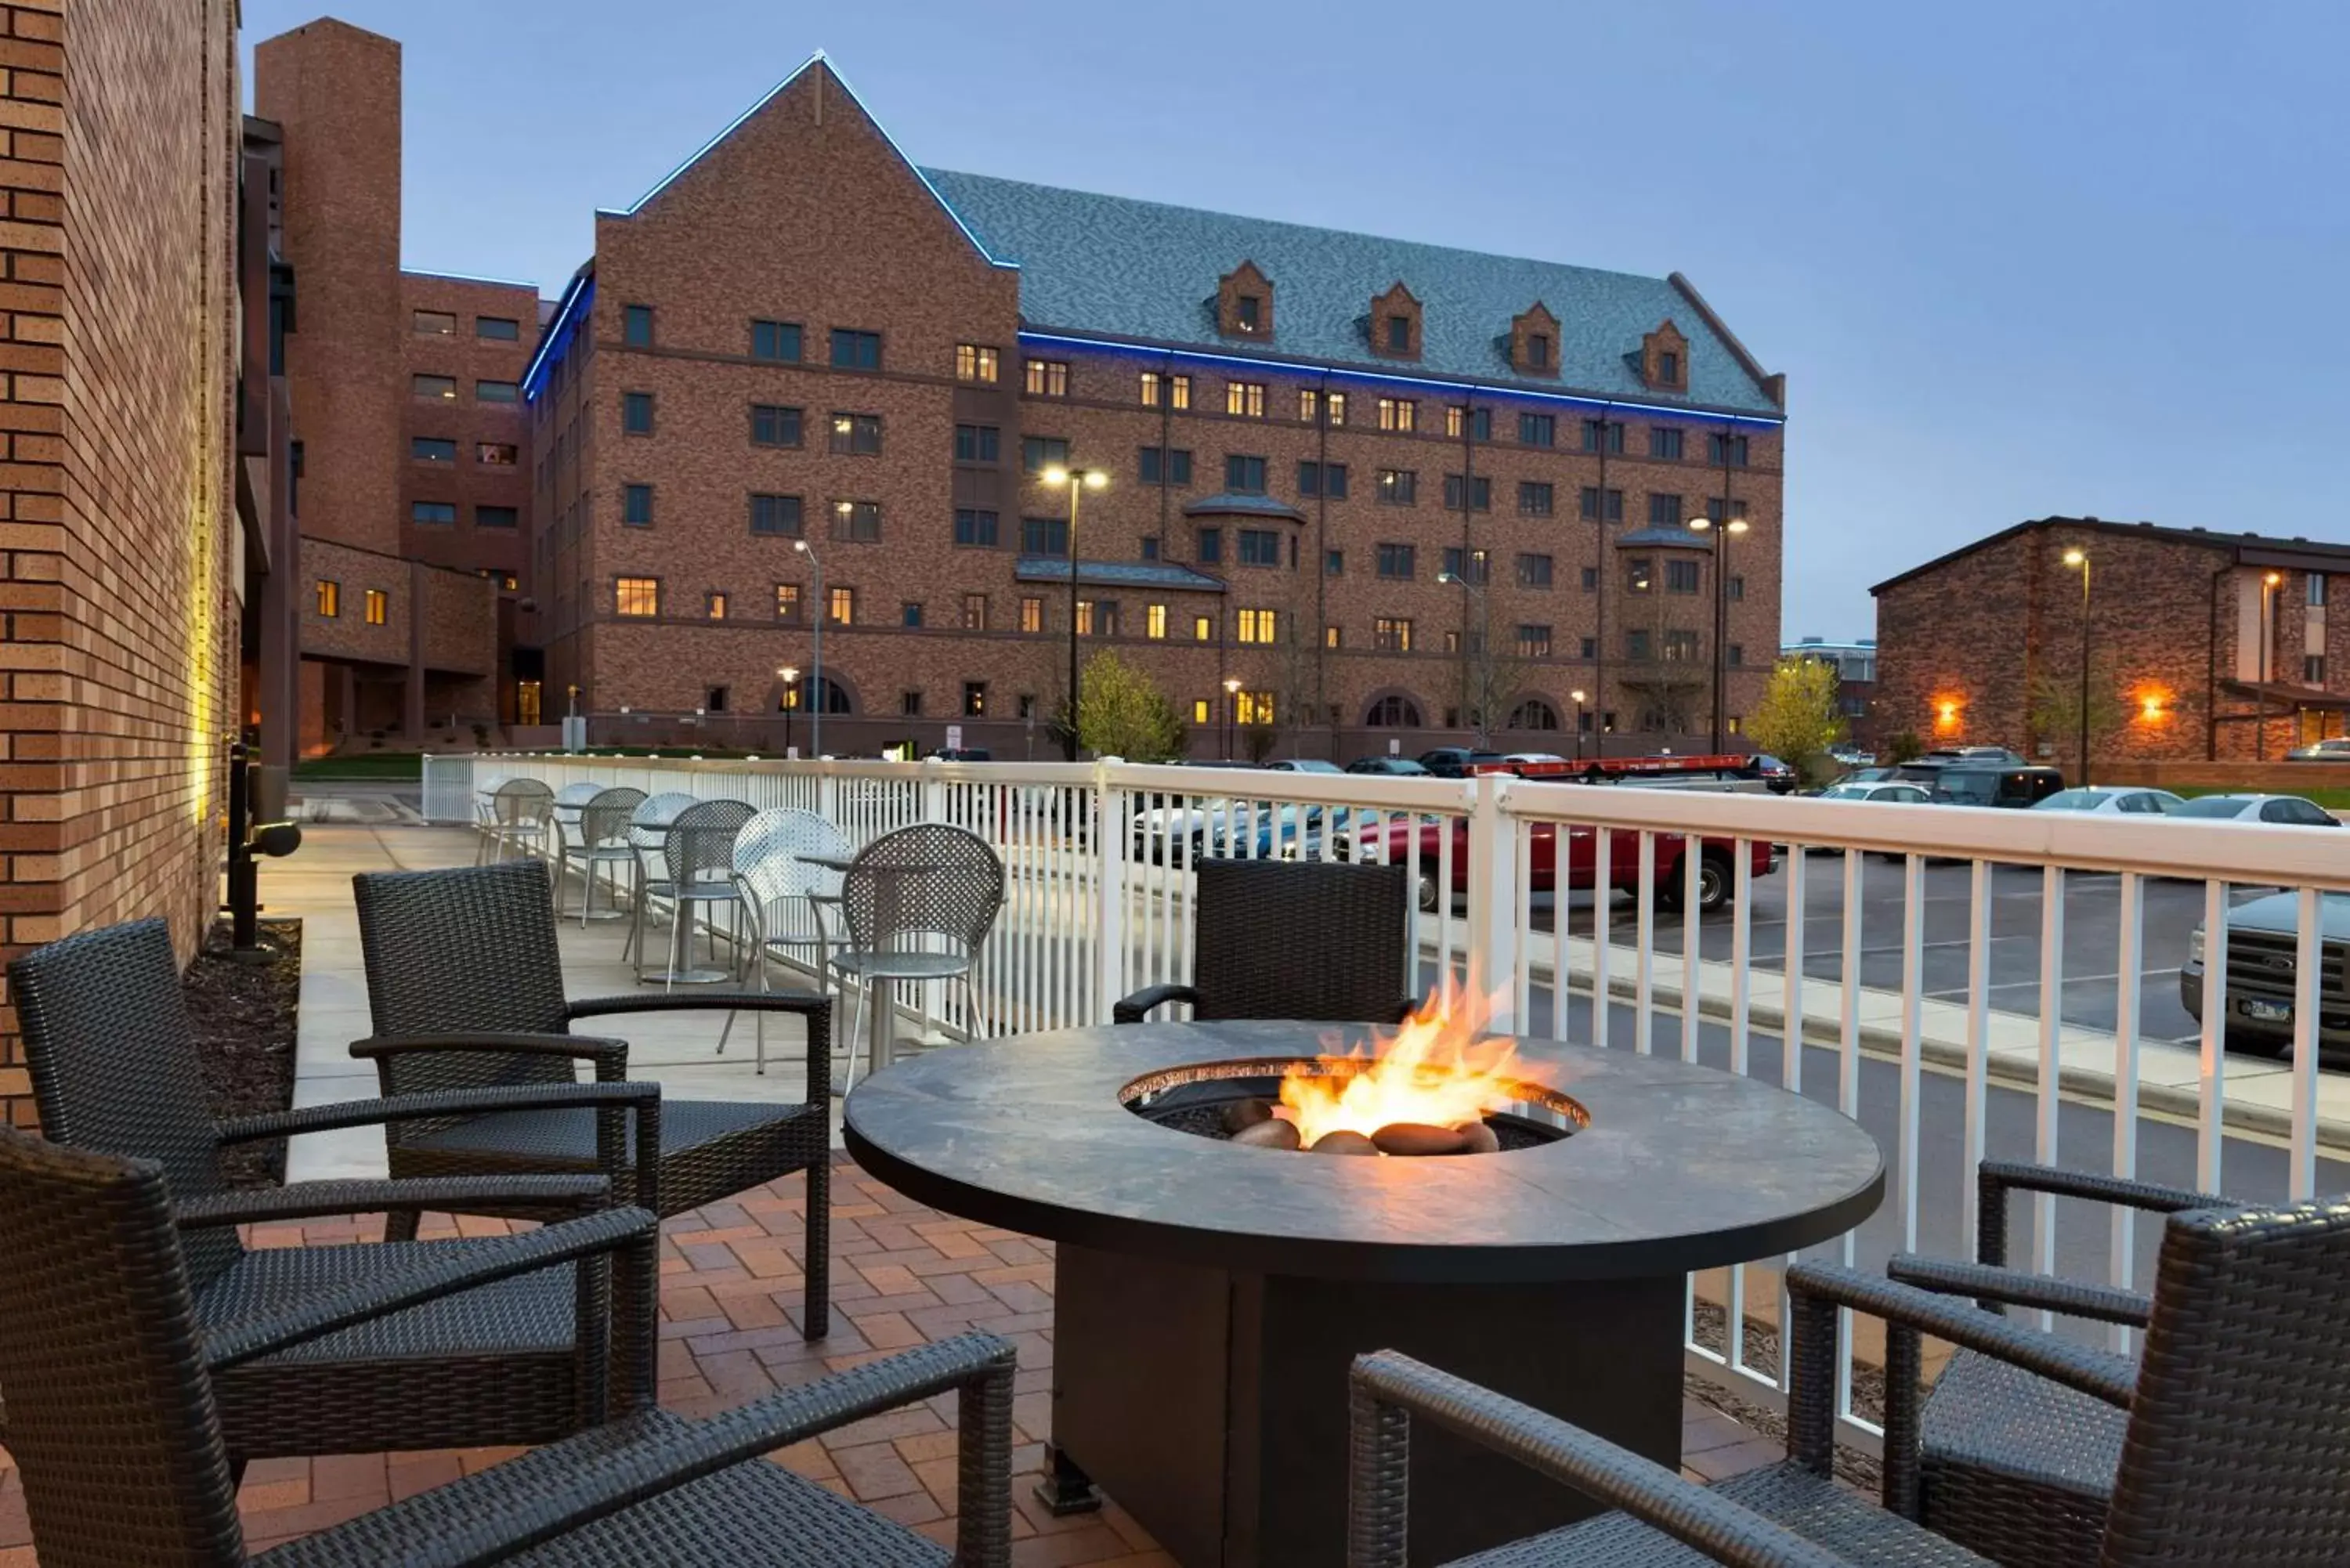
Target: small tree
(1797,718)
(1120,713)
(2055,710)
(1905,747)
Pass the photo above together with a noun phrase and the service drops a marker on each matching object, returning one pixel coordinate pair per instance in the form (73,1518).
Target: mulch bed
(244,1020)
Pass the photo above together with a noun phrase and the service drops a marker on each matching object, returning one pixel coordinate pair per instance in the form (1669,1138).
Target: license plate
(2267,1012)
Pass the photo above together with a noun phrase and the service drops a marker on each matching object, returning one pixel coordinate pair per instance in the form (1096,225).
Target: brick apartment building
(2202,645)
(1374,489)
(411,489)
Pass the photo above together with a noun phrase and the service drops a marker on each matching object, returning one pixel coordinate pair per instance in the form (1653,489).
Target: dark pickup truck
(2263,959)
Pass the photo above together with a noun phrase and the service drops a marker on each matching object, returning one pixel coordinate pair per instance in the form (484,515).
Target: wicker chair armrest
(806,1002)
(2014,1287)
(1995,1178)
(442,1103)
(1390,1391)
(610,1056)
(430,1274)
(2096,1372)
(498,1513)
(1135,1008)
(558,1195)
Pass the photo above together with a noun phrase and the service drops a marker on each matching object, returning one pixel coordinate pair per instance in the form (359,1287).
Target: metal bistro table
(881,994)
(1209,1296)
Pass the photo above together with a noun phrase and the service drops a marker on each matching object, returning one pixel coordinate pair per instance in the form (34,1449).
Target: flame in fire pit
(1435,1073)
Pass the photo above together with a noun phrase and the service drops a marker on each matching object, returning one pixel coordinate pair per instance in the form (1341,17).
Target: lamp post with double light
(1579,699)
(2078,559)
(1232,710)
(815,672)
(1730,528)
(1079,480)
(790,676)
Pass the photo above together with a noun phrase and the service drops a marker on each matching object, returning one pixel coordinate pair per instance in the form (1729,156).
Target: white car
(2089,798)
(2332,749)
(1892,792)
(2289,809)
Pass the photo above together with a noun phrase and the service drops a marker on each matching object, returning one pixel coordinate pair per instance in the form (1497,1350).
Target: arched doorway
(1393,711)
(1532,713)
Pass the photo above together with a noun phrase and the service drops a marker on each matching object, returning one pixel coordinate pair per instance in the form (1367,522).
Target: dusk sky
(2015,259)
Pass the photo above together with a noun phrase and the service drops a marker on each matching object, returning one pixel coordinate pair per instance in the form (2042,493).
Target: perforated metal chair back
(930,880)
(648,828)
(446,952)
(767,856)
(604,820)
(569,800)
(113,1060)
(110,1416)
(1277,939)
(2237,1448)
(699,848)
(523,801)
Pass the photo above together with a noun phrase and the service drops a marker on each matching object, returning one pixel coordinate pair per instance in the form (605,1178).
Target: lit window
(1032,614)
(377,606)
(1252,707)
(1199,710)
(1160,389)
(974,362)
(433,323)
(330,597)
(1390,634)
(431,449)
(778,340)
(857,435)
(1085,617)
(1203,629)
(493,391)
(974,699)
(433,389)
(1260,626)
(637,326)
(1048,377)
(855,350)
(636,595)
(1334,407)
(974,612)
(787,602)
(773,425)
(714,605)
(502,329)
(1398,414)
(841,606)
(496,453)
(1245,400)
(857,521)
(1154,622)
(1476,424)
(1331,637)
(1680,646)
(432,513)
(777,514)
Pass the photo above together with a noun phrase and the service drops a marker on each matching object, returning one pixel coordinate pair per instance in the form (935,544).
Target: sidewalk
(315,883)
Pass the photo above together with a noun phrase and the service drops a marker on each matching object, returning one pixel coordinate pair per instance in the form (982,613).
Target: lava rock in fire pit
(1417,1137)
(1270,1133)
(1241,1115)
(1344,1142)
(1479,1138)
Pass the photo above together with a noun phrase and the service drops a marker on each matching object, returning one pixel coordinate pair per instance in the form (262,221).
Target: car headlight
(2195,947)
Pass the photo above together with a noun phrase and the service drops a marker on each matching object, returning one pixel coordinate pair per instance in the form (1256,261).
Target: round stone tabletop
(1681,1167)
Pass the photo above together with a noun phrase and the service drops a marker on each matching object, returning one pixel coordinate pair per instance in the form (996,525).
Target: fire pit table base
(1212,1405)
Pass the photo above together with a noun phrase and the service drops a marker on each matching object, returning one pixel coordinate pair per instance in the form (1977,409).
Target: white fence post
(1493,902)
(1108,827)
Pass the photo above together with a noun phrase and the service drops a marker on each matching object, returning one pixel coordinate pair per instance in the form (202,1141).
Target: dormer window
(1537,351)
(1664,359)
(1247,310)
(1533,342)
(1393,326)
(1245,303)
(1398,334)
(1669,367)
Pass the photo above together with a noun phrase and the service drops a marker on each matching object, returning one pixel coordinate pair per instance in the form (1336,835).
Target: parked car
(2138,802)
(1303,766)
(963,754)
(2289,809)
(1455,761)
(1389,767)
(2332,749)
(1894,791)
(1970,783)
(1531,757)
(1717,864)
(1851,756)
(1241,829)
(1777,775)
(1872,775)
(1992,756)
(2263,948)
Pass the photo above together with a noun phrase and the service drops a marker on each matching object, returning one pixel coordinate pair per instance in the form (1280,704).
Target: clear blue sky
(2015,258)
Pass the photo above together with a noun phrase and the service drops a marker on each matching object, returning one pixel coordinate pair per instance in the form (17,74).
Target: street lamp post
(2268,585)
(1579,701)
(1232,710)
(2079,558)
(790,676)
(1079,480)
(815,672)
(1732,528)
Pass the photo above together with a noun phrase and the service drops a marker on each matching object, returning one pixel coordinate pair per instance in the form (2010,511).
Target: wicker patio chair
(2012,1466)
(599,840)
(518,1358)
(786,897)
(2234,1450)
(918,904)
(1281,939)
(113,1383)
(648,835)
(465,990)
(522,820)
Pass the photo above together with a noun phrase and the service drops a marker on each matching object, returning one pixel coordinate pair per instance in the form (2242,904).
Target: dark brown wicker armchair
(520,1358)
(112,1383)
(465,990)
(1285,939)
(2012,1466)
(2234,1447)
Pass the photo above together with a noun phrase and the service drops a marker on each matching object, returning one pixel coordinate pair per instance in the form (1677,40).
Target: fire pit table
(1209,1295)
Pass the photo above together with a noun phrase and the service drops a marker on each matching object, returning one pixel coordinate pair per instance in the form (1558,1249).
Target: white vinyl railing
(1097,861)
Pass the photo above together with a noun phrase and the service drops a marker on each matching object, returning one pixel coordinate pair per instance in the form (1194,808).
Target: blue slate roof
(1114,266)
(1228,503)
(1117,573)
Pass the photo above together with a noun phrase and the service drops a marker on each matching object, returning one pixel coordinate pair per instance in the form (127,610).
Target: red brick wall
(116,275)
(470,483)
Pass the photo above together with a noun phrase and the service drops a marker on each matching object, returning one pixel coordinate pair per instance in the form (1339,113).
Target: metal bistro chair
(600,840)
(521,819)
(918,904)
(465,990)
(1278,939)
(564,823)
(2012,1465)
(786,896)
(476,1356)
(114,1384)
(648,833)
(2233,1451)
(698,873)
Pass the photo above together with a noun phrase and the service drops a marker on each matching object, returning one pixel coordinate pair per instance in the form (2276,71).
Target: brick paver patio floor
(903,1274)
